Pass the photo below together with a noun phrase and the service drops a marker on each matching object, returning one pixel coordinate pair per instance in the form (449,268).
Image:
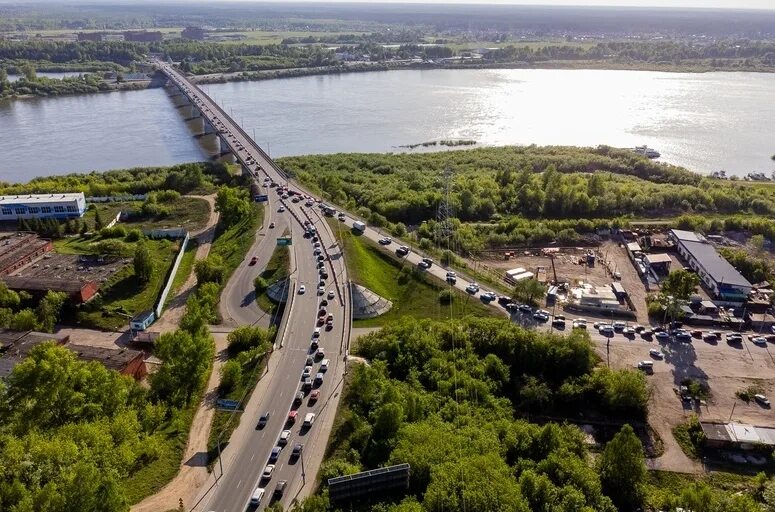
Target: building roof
(719,269)
(113,358)
(142,315)
(41,198)
(685,236)
(633,247)
(656,259)
(15,248)
(738,433)
(44,284)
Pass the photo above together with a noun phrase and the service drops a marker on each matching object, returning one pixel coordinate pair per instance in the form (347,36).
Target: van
(619,326)
(646,365)
(324,365)
(258,494)
(309,419)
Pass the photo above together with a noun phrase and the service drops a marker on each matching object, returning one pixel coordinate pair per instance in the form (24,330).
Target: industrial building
(737,435)
(77,291)
(16,345)
(142,36)
(123,360)
(718,275)
(42,206)
(18,250)
(599,299)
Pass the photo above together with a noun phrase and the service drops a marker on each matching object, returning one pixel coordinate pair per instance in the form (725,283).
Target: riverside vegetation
(453,400)
(517,196)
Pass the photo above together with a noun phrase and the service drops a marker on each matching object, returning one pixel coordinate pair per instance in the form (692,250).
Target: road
(245,458)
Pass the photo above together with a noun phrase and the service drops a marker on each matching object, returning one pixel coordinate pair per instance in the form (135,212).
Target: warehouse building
(718,275)
(78,291)
(18,250)
(42,206)
(123,360)
(16,345)
(737,435)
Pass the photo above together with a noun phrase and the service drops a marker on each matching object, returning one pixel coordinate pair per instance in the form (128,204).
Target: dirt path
(193,471)
(177,305)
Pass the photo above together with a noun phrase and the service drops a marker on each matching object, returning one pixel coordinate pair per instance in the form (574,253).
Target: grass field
(278,267)
(189,213)
(412,292)
(184,270)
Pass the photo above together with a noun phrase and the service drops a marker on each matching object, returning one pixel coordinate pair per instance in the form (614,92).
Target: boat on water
(646,151)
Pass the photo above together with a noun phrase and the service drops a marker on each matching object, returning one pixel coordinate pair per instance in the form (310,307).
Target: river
(705,122)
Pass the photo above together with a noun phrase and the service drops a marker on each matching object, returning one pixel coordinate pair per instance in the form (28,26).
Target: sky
(718,4)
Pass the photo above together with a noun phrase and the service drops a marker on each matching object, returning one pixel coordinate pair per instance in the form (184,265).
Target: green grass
(149,478)
(663,486)
(682,435)
(413,293)
(277,269)
(184,270)
(189,213)
(233,243)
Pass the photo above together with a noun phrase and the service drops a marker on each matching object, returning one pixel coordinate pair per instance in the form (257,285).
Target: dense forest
(451,400)
(518,195)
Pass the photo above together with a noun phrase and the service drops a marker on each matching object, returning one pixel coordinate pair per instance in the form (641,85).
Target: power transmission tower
(445,231)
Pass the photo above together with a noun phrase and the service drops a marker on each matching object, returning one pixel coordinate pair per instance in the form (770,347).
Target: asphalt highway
(247,455)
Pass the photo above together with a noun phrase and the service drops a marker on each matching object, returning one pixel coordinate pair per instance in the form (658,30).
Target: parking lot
(73,267)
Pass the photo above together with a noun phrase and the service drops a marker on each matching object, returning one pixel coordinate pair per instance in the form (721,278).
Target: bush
(133,235)
(231,375)
(446,297)
(210,269)
(114,232)
(260,284)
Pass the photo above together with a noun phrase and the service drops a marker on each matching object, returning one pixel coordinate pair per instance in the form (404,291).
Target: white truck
(359,226)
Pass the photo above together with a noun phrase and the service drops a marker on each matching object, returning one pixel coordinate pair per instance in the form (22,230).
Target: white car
(321,290)
(759,340)
(258,494)
(281,209)
(331,294)
(302,289)
(268,471)
(472,288)
(284,436)
(656,353)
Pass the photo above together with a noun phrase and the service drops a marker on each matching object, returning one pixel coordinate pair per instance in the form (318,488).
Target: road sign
(349,487)
(223,403)
(284,240)
(260,198)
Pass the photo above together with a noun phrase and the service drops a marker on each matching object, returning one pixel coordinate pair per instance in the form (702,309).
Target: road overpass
(246,456)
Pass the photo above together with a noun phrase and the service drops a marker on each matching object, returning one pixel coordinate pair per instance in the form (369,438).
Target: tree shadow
(198,460)
(248,299)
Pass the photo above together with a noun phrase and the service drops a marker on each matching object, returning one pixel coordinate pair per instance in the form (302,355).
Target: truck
(359,226)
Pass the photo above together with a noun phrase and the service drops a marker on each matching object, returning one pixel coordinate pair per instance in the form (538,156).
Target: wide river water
(706,122)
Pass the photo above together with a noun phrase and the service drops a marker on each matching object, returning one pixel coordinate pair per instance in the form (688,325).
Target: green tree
(49,309)
(757,242)
(623,469)
(8,298)
(247,337)
(143,262)
(28,71)
(680,284)
(210,270)
(233,205)
(231,376)
(24,320)
(98,223)
(528,290)
(186,360)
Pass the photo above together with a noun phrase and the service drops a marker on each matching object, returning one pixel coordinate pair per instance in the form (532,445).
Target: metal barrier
(167,287)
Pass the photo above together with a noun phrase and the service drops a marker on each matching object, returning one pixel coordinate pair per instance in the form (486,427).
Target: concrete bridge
(218,131)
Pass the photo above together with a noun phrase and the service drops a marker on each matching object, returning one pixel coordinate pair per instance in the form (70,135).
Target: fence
(113,222)
(111,199)
(168,286)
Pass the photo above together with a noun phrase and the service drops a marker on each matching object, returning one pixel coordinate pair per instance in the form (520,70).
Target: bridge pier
(211,144)
(189,112)
(225,154)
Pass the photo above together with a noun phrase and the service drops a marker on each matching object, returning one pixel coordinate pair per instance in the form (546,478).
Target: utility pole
(303,473)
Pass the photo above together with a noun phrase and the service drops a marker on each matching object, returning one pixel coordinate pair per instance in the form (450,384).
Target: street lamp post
(303,473)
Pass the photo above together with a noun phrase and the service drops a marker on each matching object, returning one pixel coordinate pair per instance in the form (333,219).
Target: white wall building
(42,206)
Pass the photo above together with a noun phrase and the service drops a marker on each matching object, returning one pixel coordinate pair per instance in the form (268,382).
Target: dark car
(275,453)
(262,421)
(280,489)
(299,398)
(297,449)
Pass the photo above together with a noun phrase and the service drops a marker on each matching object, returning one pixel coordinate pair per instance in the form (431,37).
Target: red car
(313,397)
(253,261)
(292,417)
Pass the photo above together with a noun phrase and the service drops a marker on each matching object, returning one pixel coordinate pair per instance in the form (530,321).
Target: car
(302,289)
(323,274)
(316,245)
(268,472)
(330,319)
(655,352)
(759,340)
(298,448)
(292,417)
(606,329)
(316,332)
(342,217)
(402,250)
(324,302)
(309,419)
(472,288)
(253,261)
(541,316)
(646,366)
(316,251)
(313,345)
(275,454)
(646,332)
(306,385)
(257,496)
(299,398)
(324,365)
(662,335)
(320,257)
(423,265)
(284,436)
(558,320)
(579,325)
(306,373)
(281,209)
(709,336)
(733,337)
(319,378)
(321,321)
(385,241)
(451,277)
(488,296)
(697,334)
(618,326)
(331,294)
(321,290)
(314,396)
(320,354)
(280,489)
(762,400)
(262,421)
(271,225)
(525,308)
(628,331)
